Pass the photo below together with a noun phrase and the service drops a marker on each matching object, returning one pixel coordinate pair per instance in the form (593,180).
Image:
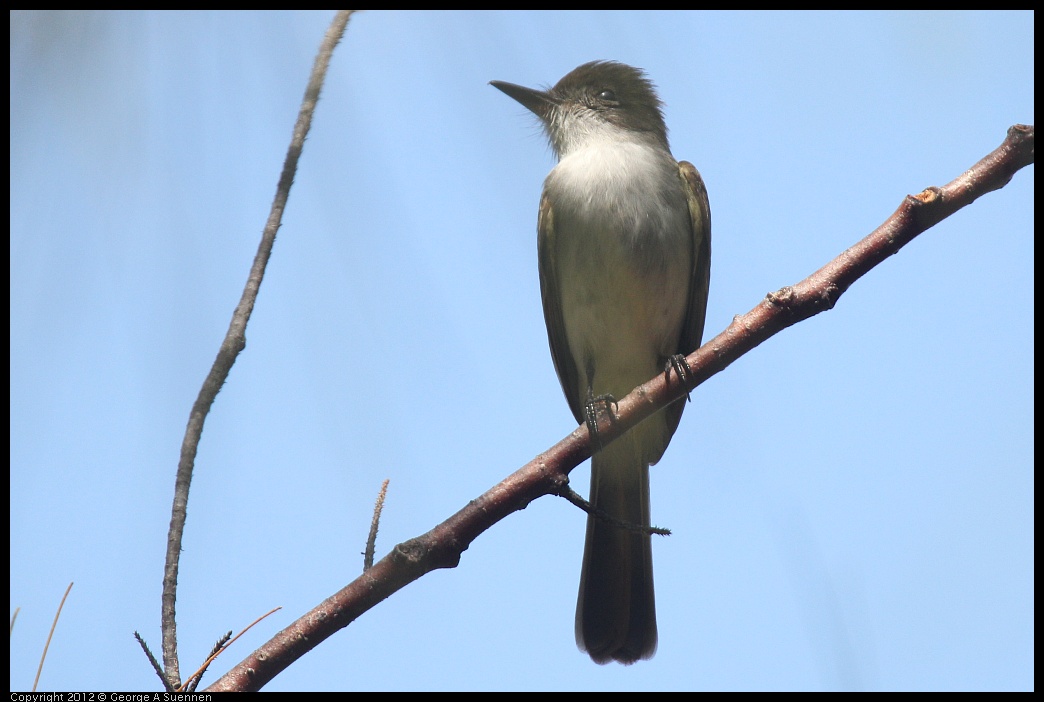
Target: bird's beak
(539,102)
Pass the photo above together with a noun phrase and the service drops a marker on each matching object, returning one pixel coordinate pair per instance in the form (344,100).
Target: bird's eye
(607,95)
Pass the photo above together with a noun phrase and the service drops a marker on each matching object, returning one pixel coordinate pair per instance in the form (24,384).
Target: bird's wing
(565,366)
(699,279)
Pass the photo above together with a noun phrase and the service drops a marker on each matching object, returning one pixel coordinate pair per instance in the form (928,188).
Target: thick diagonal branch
(548,473)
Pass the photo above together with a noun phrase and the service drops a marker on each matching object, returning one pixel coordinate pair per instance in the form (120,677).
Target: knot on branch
(783,298)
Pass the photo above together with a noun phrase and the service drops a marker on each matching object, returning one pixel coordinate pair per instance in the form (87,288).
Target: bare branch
(223,644)
(192,683)
(50,635)
(574,498)
(152,660)
(233,344)
(548,473)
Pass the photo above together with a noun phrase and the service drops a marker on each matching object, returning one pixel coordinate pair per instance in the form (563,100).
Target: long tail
(616,609)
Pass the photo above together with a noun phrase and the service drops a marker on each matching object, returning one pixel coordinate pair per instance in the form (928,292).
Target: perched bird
(624,253)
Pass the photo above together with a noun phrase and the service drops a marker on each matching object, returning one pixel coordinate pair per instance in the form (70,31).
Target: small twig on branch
(371,539)
(192,683)
(574,498)
(152,660)
(221,646)
(548,473)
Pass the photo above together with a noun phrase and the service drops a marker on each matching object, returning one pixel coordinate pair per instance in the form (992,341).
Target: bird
(623,244)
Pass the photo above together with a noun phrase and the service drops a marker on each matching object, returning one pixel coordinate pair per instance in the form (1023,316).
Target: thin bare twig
(193,682)
(152,660)
(223,645)
(43,656)
(371,539)
(574,498)
(233,344)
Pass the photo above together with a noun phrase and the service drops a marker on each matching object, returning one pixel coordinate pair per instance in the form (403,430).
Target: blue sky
(852,502)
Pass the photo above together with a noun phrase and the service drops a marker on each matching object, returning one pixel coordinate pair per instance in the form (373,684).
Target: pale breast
(623,252)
